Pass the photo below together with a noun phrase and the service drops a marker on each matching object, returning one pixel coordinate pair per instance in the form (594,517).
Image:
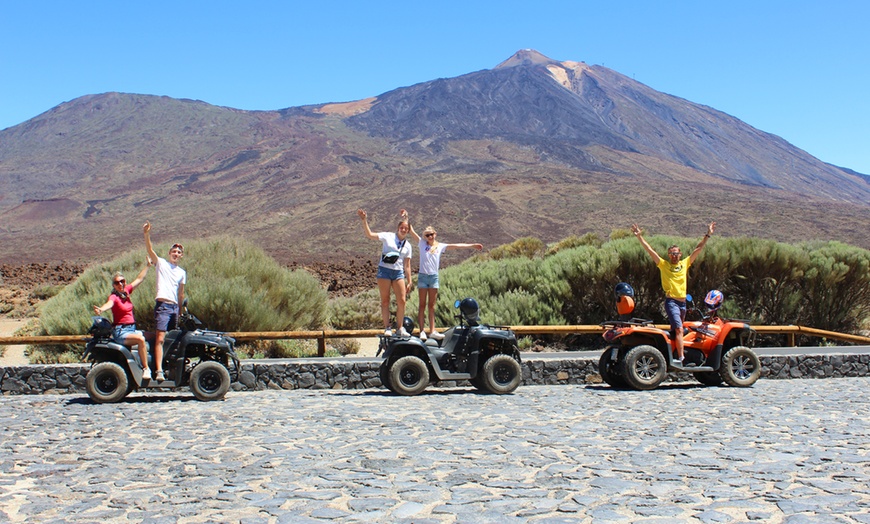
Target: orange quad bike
(639,355)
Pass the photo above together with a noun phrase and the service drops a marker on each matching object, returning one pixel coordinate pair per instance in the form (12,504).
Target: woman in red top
(122,315)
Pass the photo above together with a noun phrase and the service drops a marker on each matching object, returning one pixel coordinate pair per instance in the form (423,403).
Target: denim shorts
(676,310)
(165,315)
(391,274)
(120,332)
(425,281)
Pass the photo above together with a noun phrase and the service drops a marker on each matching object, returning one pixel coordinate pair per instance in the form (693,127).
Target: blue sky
(798,69)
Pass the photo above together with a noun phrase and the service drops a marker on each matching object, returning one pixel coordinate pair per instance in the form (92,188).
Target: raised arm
(454,246)
(149,249)
(702,243)
(365,222)
(99,310)
(652,253)
(141,276)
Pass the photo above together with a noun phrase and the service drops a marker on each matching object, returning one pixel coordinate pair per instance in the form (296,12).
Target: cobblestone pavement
(783,451)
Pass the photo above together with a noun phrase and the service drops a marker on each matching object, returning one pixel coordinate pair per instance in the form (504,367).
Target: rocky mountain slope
(531,147)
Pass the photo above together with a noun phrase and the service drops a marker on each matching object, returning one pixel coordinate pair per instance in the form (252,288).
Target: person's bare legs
(384,285)
(678,344)
(399,290)
(421,310)
(433,296)
(158,350)
(135,339)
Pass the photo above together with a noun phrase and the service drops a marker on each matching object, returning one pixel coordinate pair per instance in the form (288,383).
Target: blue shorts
(120,332)
(425,281)
(165,315)
(391,274)
(676,310)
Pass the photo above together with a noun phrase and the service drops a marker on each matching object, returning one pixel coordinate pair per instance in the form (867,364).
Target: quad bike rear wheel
(644,367)
(384,373)
(609,371)
(107,382)
(409,376)
(502,374)
(209,380)
(741,367)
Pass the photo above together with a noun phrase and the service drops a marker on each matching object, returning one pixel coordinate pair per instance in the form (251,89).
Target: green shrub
(823,285)
(344,346)
(46,291)
(231,286)
(589,239)
(361,311)
(526,247)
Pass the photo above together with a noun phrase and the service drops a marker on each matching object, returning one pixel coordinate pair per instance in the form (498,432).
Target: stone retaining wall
(338,374)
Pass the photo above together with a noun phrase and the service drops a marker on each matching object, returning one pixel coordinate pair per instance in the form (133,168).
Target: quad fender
(106,351)
(732,334)
(642,335)
(397,349)
(491,342)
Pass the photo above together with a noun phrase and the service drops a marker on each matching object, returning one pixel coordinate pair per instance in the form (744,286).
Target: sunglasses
(179,246)
(122,281)
(427,235)
(675,253)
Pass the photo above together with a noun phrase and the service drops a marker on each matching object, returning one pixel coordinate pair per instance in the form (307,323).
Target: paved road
(791,451)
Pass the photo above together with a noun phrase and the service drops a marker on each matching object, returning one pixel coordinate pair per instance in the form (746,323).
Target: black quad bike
(716,350)
(486,356)
(204,360)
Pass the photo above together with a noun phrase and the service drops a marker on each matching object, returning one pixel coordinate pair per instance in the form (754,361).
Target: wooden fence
(790,332)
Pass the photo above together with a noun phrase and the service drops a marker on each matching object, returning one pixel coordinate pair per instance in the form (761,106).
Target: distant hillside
(531,147)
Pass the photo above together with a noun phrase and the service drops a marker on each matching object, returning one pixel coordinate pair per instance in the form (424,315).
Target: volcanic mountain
(533,147)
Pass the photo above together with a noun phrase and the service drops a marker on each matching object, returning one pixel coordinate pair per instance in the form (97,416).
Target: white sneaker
(422,335)
(436,335)
(388,332)
(146,374)
(403,333)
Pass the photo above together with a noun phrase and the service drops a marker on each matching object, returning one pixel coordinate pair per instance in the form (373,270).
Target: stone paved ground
(795,451)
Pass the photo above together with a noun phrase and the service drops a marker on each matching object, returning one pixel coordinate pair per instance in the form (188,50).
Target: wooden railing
(791,333)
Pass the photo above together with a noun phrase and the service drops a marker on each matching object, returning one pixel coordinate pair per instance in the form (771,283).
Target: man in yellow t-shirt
(674,273)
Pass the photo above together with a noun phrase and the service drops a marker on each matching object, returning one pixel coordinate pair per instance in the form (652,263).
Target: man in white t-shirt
(170,293)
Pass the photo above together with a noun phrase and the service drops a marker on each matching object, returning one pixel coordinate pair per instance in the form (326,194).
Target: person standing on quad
(124,323)
(427,277)
(394,270)
(674,273)
(170,293)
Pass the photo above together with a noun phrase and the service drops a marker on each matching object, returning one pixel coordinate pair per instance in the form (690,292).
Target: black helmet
(408,324)
(623,289)
(101,327)
(470,310)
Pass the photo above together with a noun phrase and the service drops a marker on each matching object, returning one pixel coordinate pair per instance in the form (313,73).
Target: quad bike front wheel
(409,376)
(741,367)
(609,371)
(502,374)
(209,380)
(644,367)
(107,382)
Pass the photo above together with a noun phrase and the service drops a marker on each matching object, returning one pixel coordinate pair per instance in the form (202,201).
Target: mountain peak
(526,57)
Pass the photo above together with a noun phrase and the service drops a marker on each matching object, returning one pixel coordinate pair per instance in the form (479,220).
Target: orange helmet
(624,305)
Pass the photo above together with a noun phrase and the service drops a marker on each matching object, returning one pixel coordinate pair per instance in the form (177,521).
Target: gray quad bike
(204,360)
(486,356)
